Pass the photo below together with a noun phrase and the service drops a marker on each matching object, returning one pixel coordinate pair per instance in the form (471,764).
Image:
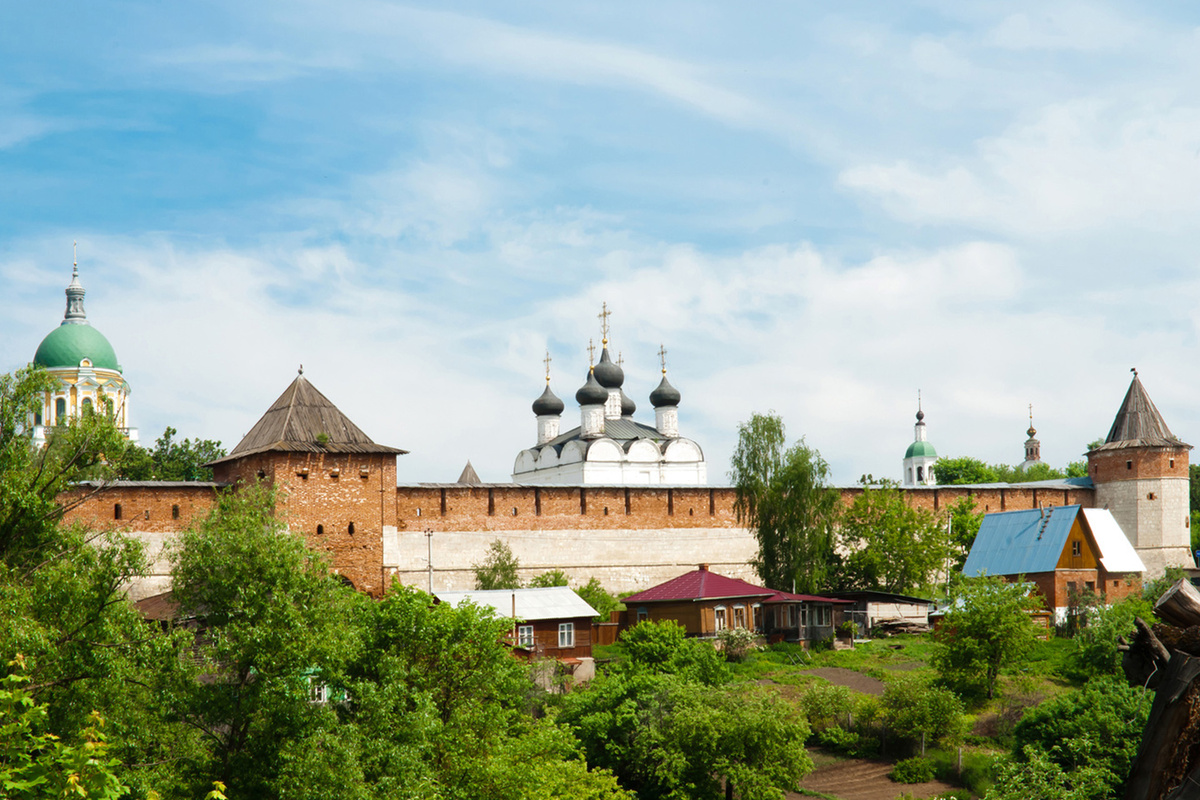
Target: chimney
(704,567)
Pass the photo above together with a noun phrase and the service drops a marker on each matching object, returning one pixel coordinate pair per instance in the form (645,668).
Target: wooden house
(1065,551)
(706,603)
(871,609)
(552,622)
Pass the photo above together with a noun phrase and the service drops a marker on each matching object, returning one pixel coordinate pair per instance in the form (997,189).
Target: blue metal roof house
(1061,549)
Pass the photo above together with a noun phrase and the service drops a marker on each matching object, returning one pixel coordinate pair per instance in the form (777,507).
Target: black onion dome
(591,393)
(664,395)
(548,403)
(627,405)
(609,373)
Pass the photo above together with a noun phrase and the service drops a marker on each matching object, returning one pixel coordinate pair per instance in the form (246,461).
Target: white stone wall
(1157,527)
(622,560)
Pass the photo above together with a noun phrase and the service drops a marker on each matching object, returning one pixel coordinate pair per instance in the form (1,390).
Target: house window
(525,636)
(108,407)
(719,622)
(87,405)
(1091,586)
(566,634)
(1072,587)
(175,512)
(116,510)
(793,617)
(824,616)
(739,616)
(318,692)
(756,616)
(804,615)
(1076,548)
(642,615)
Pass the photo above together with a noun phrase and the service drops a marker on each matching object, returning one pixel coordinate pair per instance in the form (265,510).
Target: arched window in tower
(109,407)
(60,410)
(920,474)
(87,405)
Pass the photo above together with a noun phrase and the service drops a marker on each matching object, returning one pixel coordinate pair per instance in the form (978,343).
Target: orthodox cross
(75,250)
(547,361)
(1031,415)
(620,359)
(662,357)
(591,352)
(603,316)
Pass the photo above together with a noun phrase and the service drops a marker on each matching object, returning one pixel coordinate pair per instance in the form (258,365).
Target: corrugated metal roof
(1020,542)
(553,602)
(1138,423)
(1116,551)
(791,597)
(699,584)
(294,422)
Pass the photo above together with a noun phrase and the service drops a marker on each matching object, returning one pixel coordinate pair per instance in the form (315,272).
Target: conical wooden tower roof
(303,420)
(1138,423)
(469,476)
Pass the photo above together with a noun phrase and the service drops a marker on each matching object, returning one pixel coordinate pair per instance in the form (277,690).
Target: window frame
(720,619)
(566,634)
(525,636)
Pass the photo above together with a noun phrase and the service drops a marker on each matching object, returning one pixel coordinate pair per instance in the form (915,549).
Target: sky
(819,210)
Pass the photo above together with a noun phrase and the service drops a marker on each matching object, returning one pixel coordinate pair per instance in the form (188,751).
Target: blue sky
(818,210)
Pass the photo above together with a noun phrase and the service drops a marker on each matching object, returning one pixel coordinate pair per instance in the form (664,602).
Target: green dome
(70,343)
(920,449)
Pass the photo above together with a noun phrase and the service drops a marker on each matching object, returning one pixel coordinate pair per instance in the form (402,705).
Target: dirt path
(856,779)
(840,676)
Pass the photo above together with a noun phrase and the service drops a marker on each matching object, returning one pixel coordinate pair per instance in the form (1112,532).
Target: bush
(826,705)
(837,738)
(912,770)
(736,643)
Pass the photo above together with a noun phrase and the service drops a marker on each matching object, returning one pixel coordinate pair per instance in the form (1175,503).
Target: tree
(783,495)
(274,623)
(964,470)
(545,580)
(171,460)
(964,522)
(664,647)
(1096,647)
(987,627)
(600,599)
(498,570)
(890,546)
(665,737)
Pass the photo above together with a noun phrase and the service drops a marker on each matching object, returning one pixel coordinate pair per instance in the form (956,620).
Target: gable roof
(1032,540)
(699,584)
(297,419)
(552,602)
(1020,542)
(1138,423)
(792,597)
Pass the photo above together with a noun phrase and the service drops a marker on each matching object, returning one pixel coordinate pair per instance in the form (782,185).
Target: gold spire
(547,361)
(620,359)
(662,357)
(603,316)
(591,353)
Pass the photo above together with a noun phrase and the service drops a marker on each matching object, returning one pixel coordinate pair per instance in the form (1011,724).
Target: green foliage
(36,764)
(171,460)
(598,598)
(1156,588)
(964,470)
(274,616)
(920,712)
(665,737)
(1036,775)
(986,628)
(1095,650)
(826,705)
(1092,735)
(545,580)
(784,496)
(965,520)
(891,546)
(498,570)
(664,648)
(736,643)
(913,770)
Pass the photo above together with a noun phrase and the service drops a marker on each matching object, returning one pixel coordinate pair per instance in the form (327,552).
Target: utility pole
(429,557)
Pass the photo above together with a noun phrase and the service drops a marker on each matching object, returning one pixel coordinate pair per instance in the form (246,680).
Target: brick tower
(335,485)
(1141,476)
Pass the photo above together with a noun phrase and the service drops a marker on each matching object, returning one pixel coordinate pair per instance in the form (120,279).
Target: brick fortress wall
(629,538)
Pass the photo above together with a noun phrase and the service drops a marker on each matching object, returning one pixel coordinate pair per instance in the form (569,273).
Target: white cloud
(1077,166)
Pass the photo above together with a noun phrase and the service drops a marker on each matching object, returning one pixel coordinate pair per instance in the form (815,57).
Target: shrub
(837,738)
(736,643)
(826,705)
(913,770)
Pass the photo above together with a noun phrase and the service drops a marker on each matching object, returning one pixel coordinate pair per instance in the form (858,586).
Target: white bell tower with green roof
(920,456)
